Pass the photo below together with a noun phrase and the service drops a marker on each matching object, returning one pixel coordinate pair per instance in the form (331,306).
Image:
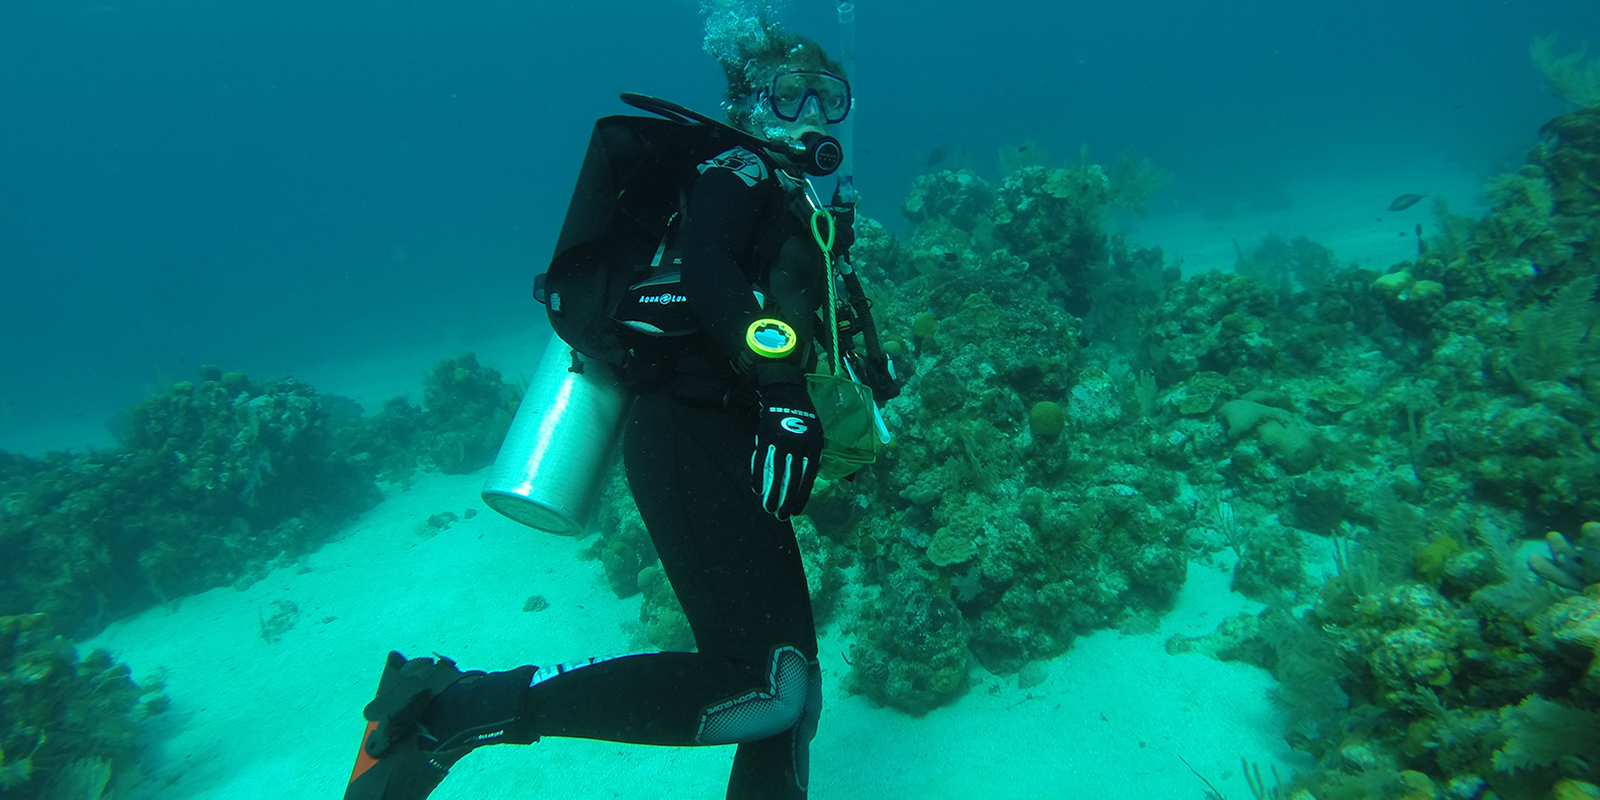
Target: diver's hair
(750,74)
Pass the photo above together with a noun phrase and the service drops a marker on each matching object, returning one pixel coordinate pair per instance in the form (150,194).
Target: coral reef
(469,410)
(1573,77)
(1077,426)
(1572,565)
(215,483)
(1007,493)
(1048,222)
(1053,474)
(62,712)
(623,545)
(914,656)
(1286,264)
(1432,673)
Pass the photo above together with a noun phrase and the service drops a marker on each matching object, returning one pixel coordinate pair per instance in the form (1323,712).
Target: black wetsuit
(736,569)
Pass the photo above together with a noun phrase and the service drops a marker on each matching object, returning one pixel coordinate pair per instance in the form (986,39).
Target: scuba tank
(550,464)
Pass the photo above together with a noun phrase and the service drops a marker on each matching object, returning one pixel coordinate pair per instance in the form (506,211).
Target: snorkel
(845,195)
(846,191)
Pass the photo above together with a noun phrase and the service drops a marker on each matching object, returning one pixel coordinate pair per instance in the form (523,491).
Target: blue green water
(352,192)
(272,185)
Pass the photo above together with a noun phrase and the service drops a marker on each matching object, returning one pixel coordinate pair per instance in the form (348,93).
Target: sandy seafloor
(252,719)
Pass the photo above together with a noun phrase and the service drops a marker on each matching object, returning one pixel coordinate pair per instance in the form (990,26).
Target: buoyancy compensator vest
(612,242)
(613,300)
(619,227)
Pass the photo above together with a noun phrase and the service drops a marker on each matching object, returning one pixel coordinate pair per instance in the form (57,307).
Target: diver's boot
(427,715)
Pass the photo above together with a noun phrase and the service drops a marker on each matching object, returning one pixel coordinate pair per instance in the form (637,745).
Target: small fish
(938,154)
(1406,201)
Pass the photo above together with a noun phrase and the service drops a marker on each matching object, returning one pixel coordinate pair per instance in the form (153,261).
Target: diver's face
(797,102)
(770,126)
(810,119)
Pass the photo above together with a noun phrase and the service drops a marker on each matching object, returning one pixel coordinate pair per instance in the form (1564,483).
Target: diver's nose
(811,111)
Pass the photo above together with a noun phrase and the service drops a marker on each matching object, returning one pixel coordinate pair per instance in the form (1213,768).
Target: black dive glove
(877,374)
(788,449)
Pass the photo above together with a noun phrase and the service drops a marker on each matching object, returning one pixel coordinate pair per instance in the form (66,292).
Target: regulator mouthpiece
(822,154)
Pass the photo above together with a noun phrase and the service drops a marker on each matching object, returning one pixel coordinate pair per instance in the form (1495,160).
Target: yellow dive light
(772,338)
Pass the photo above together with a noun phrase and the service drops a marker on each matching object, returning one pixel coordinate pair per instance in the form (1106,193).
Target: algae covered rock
(913,659)
(960,197)
(216,481)
(1095,402)
(61,710)
(1053,219)
(1411,303)
(1214,322)
(1046,419)
(623,545)
(469,410)
(1293,440)
(665,626)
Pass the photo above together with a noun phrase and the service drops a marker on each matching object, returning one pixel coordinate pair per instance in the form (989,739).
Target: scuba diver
(720,450)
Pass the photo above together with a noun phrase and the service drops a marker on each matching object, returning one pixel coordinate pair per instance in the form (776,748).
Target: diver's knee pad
(764,712)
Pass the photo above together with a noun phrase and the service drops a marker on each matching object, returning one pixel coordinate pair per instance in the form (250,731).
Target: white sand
(373,381)
(1346,213)
(256,719)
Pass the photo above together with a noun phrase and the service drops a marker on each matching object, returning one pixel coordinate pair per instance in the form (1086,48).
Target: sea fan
(1541,733)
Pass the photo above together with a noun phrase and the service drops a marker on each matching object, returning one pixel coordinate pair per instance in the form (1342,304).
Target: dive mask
(791,91)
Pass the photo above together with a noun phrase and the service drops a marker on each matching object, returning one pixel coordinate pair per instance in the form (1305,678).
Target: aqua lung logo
(665,298)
